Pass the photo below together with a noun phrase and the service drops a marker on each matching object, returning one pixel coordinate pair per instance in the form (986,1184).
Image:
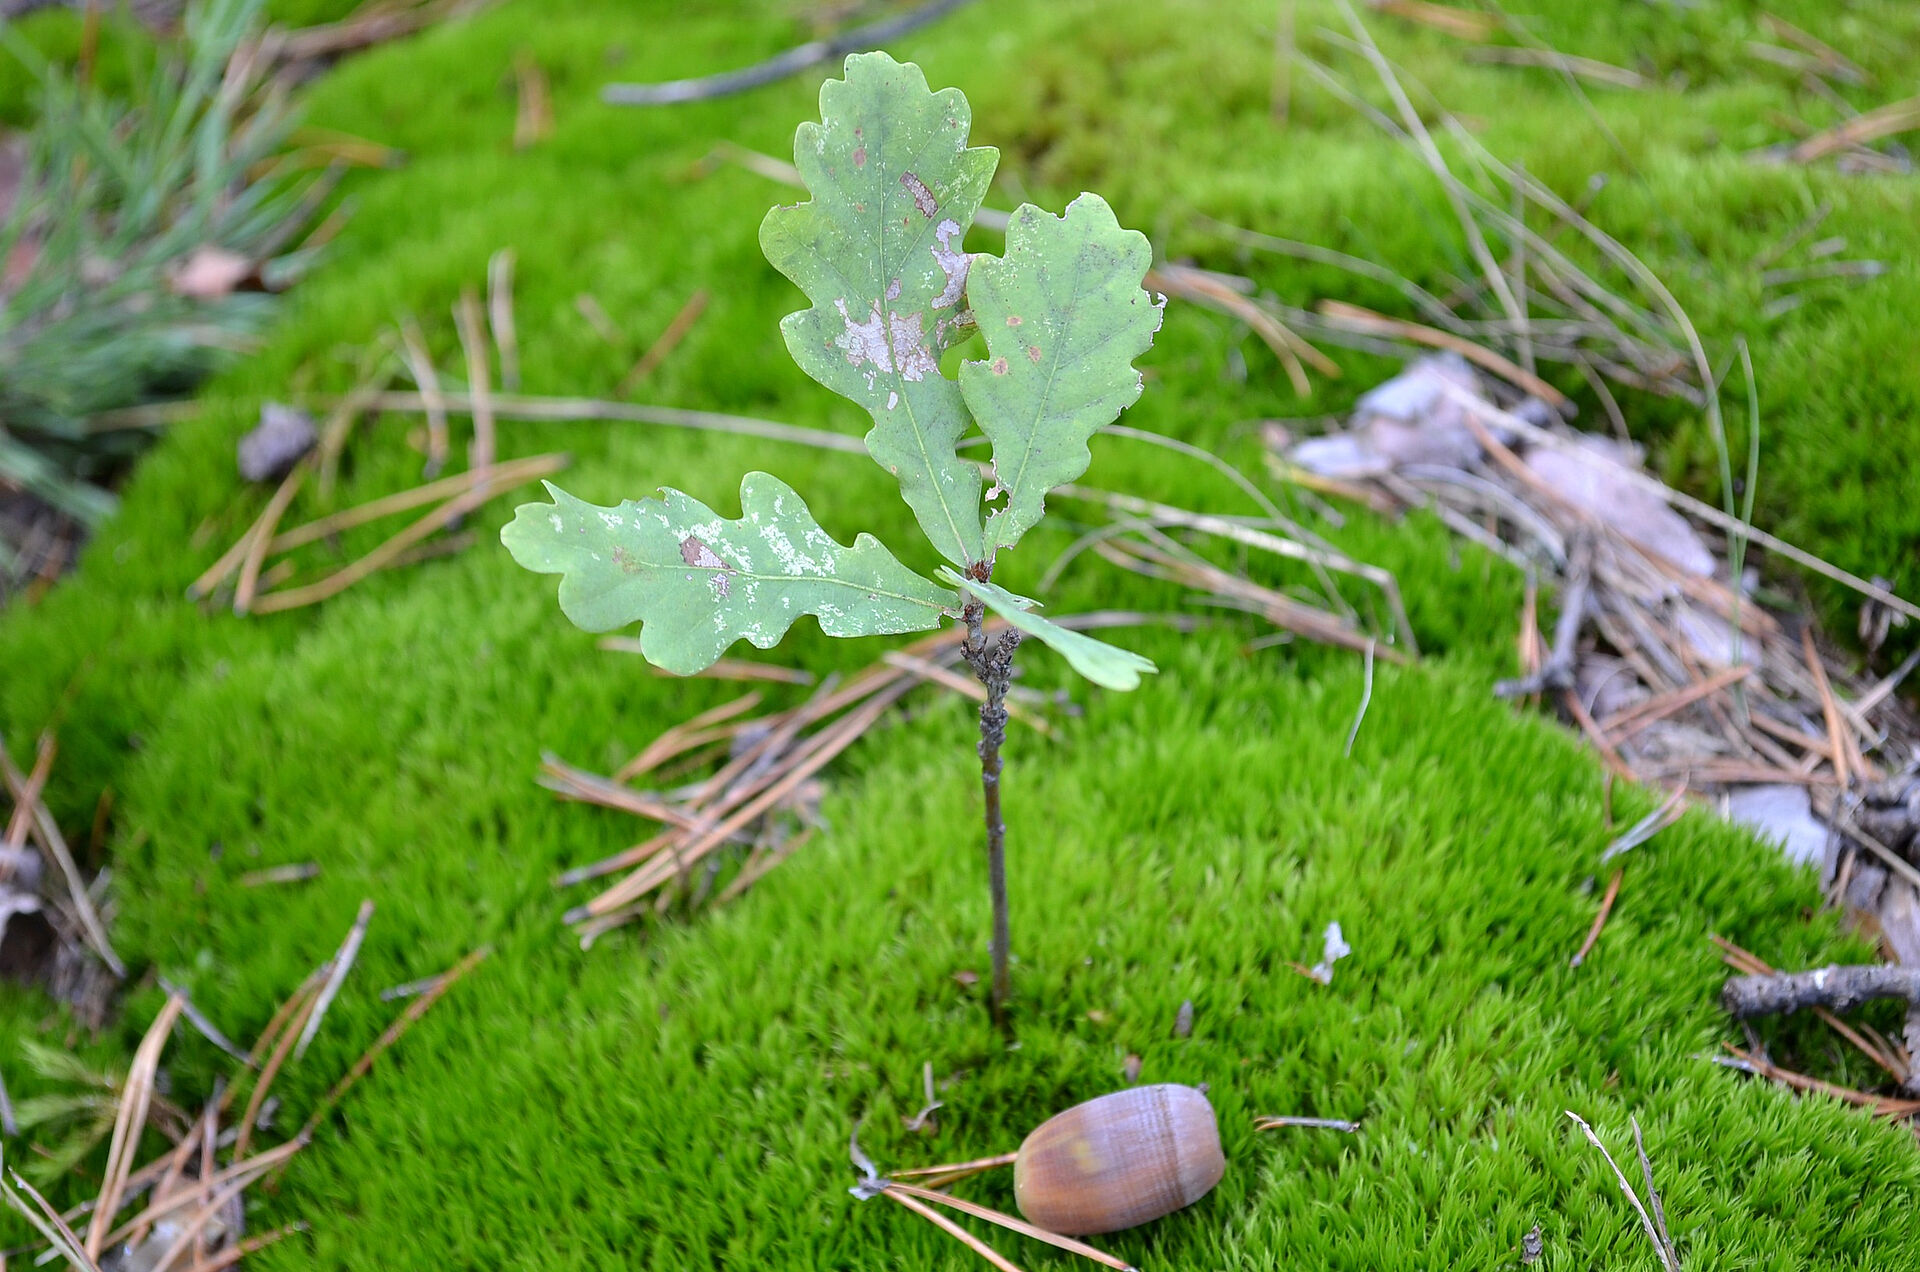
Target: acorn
(1119,1161)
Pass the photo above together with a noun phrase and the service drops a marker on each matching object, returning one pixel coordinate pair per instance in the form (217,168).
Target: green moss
(681,1095)
(123,50)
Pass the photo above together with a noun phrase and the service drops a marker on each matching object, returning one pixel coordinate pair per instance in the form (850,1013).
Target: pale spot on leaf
(922,197)
(953,263)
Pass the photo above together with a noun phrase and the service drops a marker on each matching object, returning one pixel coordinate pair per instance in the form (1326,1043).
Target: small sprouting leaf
(878,252)
(1064,317)
(1098,661)
(698,583)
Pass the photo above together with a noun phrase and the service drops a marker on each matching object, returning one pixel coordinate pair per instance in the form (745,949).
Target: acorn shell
(1119,1161)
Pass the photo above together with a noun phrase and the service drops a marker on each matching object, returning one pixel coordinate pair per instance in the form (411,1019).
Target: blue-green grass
(681,1094)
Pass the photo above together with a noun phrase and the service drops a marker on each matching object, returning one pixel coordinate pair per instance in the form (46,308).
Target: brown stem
(993,665)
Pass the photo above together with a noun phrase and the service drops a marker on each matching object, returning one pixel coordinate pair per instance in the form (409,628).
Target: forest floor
(681,1094)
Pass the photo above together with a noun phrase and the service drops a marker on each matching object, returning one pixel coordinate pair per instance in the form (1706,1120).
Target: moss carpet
(680,1096)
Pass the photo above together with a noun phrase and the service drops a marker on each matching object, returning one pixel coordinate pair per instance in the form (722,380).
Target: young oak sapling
(878,252)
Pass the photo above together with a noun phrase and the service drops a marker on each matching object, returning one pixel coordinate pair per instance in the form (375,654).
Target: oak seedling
(878,252)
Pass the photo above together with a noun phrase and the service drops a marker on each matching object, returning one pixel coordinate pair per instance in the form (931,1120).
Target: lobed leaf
(1064,317)
(878,252)
(697,582)
(1104,664)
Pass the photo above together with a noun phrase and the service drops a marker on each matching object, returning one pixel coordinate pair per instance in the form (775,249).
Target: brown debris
(1465,24)
(209,272)
(874,1184)
(189,1208)
(1367,322)
(51,931)
(257,584)
(533,111)
(1838,988)
(302,50)
(759,804)
(1599,920)
(1760,1066)
(1762,985)
(1674,671)
(1883,121)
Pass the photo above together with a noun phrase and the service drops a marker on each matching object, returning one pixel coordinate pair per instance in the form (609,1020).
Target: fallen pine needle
(252,1245)
(1366,699)
(466,316)
(1759,1066)
(270,1033)
(1600,919)
(1664,1249)
(46,1221)
(657,352)
(1836,728)
(563,410)
(294,1022)
(533,115)
(413,346)
(720,668)
(1312,1123)
(294,872)
(1883,121)
(136,1098)
(1358,318)
(409,989)
(757,868)
(1565,63)
(1465,24)
(1647,827)
(506,341)
(953,1230)
(957,1169)
(260,537)
(336,976)
(242,1172)
(195,1226)
(387,505)
(676,740)
(1204,289)
(414,1010)
(1012,1224)
(947,678)
(206,1028)
(1625,724)
(388,552)
(1610,757)
(26,799)
(831,742)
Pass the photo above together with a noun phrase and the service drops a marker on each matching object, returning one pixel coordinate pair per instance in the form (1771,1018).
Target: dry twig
(791,62)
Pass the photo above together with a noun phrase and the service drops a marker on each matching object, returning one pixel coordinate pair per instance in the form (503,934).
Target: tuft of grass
(682,1095)
(120,193)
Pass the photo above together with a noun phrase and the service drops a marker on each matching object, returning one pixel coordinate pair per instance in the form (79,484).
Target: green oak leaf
(1104,664)
(1064,317)
(697,583)
(878,252)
